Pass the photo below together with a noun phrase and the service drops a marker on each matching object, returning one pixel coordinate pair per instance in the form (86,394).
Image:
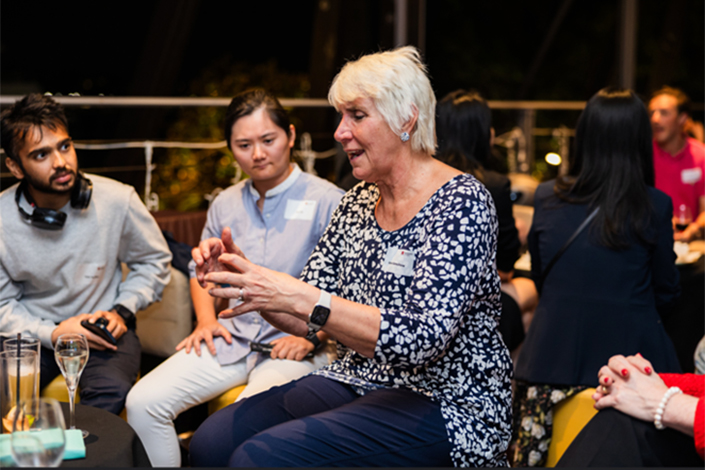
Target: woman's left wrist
(305,301)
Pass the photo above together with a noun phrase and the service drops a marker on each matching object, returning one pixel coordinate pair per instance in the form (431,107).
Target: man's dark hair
(250,101)
(33,110)
(681,98)
(612,167)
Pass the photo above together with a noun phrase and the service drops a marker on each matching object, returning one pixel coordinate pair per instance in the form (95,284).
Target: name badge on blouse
(399,261)
(299,210)
(691,175)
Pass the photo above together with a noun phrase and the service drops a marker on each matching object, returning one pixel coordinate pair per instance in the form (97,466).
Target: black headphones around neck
(49,219)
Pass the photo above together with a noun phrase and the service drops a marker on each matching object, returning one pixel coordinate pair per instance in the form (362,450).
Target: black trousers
(613,439)
(108,375)
(317,422)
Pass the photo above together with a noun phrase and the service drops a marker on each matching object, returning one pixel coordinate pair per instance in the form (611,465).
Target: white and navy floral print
(438,332)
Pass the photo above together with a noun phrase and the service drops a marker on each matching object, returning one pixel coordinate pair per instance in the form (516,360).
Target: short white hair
(396,81)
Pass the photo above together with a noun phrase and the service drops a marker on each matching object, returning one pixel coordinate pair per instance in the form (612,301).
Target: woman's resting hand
(630,385)
(293,348)
(204,333)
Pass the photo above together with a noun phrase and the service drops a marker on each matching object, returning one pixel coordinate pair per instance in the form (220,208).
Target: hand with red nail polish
(640,392)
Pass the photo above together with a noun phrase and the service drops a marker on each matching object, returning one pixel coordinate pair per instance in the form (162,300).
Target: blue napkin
(75,447)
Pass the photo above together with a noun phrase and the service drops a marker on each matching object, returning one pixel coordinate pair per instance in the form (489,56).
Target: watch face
(319,315)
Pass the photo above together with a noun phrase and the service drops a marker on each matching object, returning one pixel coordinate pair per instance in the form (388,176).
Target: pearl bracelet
(662,406)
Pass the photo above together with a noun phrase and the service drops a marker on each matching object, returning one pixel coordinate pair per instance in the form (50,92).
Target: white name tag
(691,175)
(399,261)
(299,210)
(91,273)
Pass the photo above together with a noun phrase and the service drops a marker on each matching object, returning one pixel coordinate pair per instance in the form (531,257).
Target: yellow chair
(58,391)
(227,398)
(569,418)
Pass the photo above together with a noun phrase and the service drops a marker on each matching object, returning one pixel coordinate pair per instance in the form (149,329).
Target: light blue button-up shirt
(280,237)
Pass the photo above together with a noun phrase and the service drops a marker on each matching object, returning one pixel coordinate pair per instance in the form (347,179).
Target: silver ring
(242,296)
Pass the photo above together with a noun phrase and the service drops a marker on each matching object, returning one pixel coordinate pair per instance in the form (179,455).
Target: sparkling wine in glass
(38,438)
(71,352)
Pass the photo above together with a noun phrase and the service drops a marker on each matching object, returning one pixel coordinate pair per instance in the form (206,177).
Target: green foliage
(184,176)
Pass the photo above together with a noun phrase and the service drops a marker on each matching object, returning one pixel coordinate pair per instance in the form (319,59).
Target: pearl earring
(404,136)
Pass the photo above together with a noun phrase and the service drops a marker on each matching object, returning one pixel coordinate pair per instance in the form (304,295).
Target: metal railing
(157,101)
(151,199)
(519,146)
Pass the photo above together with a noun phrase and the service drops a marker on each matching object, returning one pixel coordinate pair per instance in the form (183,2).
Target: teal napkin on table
(75,448)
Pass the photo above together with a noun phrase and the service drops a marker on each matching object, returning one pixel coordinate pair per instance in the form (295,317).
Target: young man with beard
(63,238)
(679,160)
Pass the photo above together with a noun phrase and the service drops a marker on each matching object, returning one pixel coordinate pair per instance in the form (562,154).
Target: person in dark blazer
(605,295)
(464,133)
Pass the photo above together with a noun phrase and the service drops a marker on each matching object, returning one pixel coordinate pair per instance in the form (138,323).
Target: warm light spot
(553,159)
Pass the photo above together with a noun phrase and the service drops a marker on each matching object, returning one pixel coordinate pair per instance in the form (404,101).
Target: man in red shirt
(679,161)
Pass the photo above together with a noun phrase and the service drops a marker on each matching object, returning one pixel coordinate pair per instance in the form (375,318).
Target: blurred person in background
(465,134)
(606,293)
(679,161)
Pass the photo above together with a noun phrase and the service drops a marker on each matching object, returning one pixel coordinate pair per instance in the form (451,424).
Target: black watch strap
(126,314)
(313,338)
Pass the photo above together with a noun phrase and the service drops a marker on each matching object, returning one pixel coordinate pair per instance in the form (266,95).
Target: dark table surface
(112,442)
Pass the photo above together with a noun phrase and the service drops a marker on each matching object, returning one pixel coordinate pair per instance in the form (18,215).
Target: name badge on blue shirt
(399,261)
(299,210)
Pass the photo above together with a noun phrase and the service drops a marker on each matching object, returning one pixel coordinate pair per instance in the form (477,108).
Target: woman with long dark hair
(605,293)
(465,135)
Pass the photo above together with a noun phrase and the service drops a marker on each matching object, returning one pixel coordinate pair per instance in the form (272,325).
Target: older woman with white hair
(404,279)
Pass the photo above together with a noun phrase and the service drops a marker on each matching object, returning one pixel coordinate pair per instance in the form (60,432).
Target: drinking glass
(682,217)
(32,344)
(18,382)
(71,353)
(38,438)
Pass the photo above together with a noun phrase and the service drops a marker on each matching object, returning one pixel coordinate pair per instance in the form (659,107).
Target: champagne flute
(71,353)
(38,438)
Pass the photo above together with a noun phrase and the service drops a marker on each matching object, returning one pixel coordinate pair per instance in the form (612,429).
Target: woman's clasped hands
(630,385)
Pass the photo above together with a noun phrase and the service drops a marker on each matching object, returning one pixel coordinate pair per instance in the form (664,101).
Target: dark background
(187,47)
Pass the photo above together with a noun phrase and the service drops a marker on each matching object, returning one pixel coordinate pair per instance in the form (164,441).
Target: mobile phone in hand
(100,328)
(261,347)
(267,348)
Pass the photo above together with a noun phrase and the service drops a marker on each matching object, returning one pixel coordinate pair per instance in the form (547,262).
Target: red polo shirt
(682,176)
